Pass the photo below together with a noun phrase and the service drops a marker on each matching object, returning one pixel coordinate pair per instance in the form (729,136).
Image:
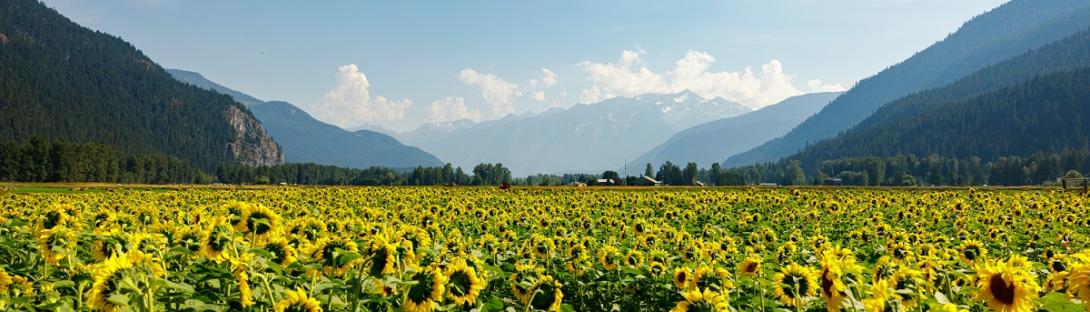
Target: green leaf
(119,299)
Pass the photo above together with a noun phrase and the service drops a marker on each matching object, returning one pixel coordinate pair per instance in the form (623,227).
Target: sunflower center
(460,283)
(421,292)
(1001,290)
(378,261)
(709,281)
(51,219)
(259,223)
(750,267)
(545,298)
(826,283)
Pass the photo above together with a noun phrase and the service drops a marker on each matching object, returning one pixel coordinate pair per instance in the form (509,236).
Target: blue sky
(424,61)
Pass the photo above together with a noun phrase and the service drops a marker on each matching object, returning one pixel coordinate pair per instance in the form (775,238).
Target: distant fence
(1075,184)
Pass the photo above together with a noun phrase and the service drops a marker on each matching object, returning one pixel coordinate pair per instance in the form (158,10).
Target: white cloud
(496,91)
(450,109)
(627,77)
(350,104)
(816,85)
(622,78)
(547,80)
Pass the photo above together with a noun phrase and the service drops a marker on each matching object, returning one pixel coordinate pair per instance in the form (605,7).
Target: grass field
(144,248)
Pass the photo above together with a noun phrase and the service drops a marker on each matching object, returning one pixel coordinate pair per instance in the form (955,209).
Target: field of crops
(462,249)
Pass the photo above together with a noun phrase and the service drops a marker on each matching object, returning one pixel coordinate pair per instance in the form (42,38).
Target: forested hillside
(60,81)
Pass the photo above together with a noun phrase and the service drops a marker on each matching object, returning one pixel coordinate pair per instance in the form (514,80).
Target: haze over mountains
(714,141)
(306,139)
(583,138)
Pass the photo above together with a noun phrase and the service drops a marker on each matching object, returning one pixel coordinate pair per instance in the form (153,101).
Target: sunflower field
(483,249)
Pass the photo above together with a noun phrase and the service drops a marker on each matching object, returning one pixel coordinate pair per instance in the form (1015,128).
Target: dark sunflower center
(682,277)
(826,283)
(277,252)
(545,297)
(970,253)
(421,292)
(794,285)
(378,261)
(51,219)
(750,267)
(1058,266)
(259,223)
(460,283)
(1001,290)
(296,307)
(327,252)
(709,281)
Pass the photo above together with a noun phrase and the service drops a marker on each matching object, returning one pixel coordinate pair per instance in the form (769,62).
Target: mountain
(1004,32)
(714,141)
(582,138)
(61,81)
(307,140)
(1027,104)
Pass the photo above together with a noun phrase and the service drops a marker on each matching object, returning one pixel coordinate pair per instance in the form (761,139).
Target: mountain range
(1004,32)
(582,138)
(714,141)
(1035,102)
(308,140)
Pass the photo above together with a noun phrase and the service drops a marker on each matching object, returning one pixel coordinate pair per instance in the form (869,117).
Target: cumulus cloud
(547,80)
(350,103)
(497,92)
(628,77)
(816,85)
(450,109)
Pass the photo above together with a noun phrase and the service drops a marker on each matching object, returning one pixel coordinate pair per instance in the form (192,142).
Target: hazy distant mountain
(61,81)
(714,141)
(1028,104)
(582,138)
(1004,32)
(305,139)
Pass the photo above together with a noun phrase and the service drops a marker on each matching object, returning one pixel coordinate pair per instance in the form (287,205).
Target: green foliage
(61,81)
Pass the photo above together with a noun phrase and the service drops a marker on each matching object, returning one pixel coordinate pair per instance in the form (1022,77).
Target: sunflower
(794,284)
(5,281)
(382,258)
(215,239)
(297,301)
(836,263)
(633,259)
(682,278)
(880,295)
(1078,283)
(656,268)
(971,251)
(707,300)
(465,286)
(259,221)
(428,290)
(105,245)
(908,286)
(326,253)
(608,257)
(547,295)
(55,243)
(717,279)
(106,279)
(1007,286)
(750,267)
(282,252)
(522,280)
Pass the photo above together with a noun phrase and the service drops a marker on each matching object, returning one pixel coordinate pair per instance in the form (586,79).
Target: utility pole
(625,178)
